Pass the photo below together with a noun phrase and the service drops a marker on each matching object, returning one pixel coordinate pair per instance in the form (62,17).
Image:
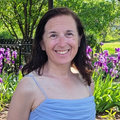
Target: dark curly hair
(39,57)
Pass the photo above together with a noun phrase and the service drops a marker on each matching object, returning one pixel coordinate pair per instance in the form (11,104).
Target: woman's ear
(42,45)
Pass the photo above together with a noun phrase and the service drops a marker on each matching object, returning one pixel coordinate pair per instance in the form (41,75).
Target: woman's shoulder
(26,85)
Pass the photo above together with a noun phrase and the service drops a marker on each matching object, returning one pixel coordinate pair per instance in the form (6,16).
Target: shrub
(106,70)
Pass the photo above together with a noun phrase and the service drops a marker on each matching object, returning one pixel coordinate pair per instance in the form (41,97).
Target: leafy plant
(106,92)
(20,76)
(7,87)
(19,16)
(111,115)
(106,69)
(8,80)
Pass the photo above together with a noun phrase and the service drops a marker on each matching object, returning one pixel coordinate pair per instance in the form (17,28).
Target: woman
(50,90)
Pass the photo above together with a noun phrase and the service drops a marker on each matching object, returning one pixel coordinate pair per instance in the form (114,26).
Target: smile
(62,52)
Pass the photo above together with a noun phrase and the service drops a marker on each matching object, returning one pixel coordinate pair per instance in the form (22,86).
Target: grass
(110,46)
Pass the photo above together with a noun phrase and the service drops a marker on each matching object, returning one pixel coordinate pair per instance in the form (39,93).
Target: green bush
(8,86)
(107,92)
(5,35)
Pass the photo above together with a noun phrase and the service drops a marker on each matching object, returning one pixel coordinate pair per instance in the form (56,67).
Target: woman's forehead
(61,21)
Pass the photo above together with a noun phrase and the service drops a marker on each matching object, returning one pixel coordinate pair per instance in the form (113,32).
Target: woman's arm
(22,100)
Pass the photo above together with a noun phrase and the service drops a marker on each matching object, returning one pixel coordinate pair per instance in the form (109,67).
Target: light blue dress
(60,109)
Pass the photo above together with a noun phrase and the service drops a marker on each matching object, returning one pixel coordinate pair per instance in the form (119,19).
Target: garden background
(101,20)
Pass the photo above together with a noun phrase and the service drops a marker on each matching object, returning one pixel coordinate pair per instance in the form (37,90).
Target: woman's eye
(69,34)
(53,36)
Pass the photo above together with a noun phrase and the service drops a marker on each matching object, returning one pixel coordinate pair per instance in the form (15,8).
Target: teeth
(62,52)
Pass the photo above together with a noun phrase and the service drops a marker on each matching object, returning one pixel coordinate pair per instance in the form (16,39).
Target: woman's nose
(62,41)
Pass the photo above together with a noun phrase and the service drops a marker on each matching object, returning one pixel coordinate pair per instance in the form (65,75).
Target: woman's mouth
(62,51)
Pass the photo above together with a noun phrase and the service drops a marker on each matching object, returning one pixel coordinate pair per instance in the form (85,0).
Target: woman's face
(61,39)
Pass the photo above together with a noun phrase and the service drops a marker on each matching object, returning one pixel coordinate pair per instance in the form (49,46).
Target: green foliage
(95,15)
(7,87)
(20,76)
(5,35)
(22,60)
(111,47)
(111,114)
(113,31)
(20,17)
(107,92)
(91,40)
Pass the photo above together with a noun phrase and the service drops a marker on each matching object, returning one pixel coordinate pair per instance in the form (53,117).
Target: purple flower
(1,81)
(14,54)
(101,43)
(117,50)
(8,60)
(89,49)
(13,62)
(102,59)
(0,69)
(113,72)
(96,64)
(8,49)
(1,63)
(7,54)
(96,55)
(1,56)
(105,68)
(88,56)
(114,60)
(105,52)
(118,56)
(21,66)
(2,50)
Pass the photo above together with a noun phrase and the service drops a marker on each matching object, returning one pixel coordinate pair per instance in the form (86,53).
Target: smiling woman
(50,88)
(60,40)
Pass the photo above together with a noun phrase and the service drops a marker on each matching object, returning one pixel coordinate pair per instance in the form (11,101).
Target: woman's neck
(57,70)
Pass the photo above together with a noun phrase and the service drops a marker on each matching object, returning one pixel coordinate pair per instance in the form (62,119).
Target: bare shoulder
(26,86)
(22,100)
(25,90)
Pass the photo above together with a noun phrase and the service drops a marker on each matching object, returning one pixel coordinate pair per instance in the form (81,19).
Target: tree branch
(5,23)
(29,13)
(34,21)
(25,15)
(17,15)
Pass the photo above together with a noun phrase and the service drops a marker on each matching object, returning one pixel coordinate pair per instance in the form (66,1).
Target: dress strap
(37,84)
(90,90)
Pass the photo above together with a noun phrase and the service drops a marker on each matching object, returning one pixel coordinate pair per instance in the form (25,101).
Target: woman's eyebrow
(52,32)
(70,31)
